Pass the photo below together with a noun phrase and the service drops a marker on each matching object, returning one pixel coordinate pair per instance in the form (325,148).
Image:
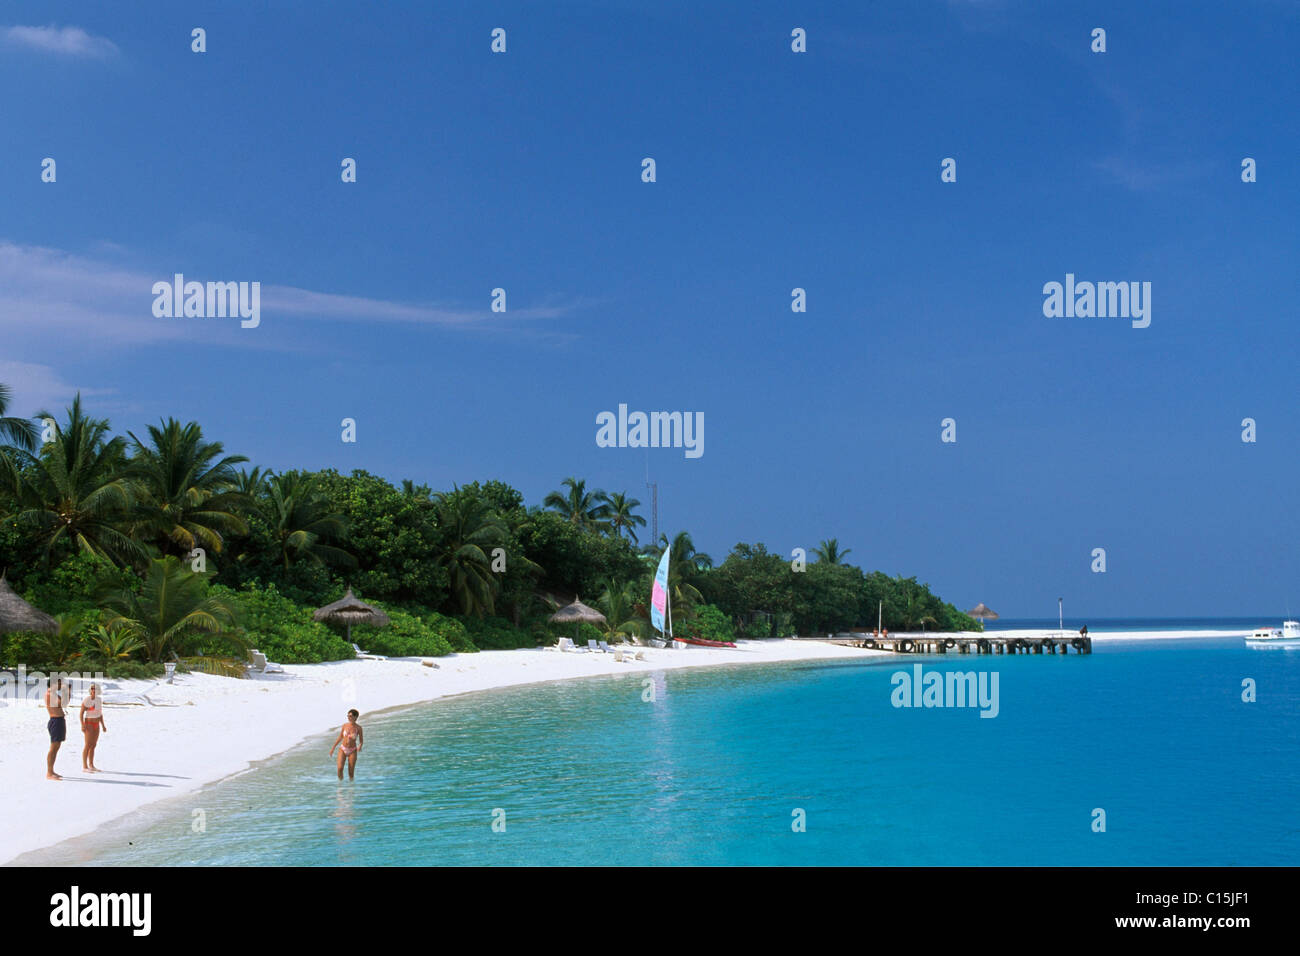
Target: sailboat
(661,609)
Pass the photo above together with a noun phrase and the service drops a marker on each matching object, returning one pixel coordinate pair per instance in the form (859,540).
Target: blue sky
(775,170)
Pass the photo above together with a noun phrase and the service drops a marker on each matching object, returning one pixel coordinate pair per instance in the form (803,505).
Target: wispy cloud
(1144,176)
(64,41)
(50,298)
(327,305)
(39,388)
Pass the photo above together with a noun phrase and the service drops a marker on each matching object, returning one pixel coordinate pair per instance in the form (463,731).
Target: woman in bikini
(349,743)
(92,722)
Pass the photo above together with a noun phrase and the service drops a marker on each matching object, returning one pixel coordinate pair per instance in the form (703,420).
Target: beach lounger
(363,655)
(566,644)
(262,665)
(593,646)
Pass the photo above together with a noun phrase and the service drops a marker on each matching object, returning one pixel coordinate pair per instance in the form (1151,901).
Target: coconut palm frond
(218,666)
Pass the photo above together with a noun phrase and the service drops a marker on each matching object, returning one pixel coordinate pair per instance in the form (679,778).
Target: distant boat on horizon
(1288,635)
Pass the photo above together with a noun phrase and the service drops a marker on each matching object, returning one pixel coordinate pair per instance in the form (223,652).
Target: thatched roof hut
(577,613)
(17,615)
(350,610)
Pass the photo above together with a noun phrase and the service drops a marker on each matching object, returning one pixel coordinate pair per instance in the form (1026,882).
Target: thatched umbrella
(578,613)
(17,615)
(351,610)
(983,612)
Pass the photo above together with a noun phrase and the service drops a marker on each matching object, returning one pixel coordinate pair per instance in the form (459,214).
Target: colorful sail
(659,593)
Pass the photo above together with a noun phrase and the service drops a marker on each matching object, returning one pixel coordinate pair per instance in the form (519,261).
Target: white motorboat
(1288,635)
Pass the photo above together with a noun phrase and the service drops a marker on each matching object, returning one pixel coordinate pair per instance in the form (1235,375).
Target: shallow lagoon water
(716,767)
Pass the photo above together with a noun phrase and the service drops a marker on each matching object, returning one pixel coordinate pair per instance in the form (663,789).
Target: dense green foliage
(760,588)
(157,547)
(414,635)
(284,631)
(498,634)
(709,624)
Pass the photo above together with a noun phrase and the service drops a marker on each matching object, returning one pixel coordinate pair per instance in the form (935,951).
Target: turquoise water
(711,772)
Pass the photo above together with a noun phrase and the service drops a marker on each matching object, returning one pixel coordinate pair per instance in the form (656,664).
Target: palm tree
(685,568)
(830,553)
(74,492)
(173,613)
(19,432)
(300,520)
(186,490)
(913,612)
(411,490)
(686,562)
(252,484)
(580,506)
(60,647)
(620,607)
(469,530)
(619,514)
(113,647)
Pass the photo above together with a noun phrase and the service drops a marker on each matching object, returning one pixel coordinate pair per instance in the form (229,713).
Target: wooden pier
(966,643)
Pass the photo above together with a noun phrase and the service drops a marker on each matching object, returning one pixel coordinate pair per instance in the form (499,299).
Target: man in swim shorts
(56,697)
(349,743)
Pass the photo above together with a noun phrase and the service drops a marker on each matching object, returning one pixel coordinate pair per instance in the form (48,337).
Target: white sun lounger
(363,655)
(594,646)
(262,665)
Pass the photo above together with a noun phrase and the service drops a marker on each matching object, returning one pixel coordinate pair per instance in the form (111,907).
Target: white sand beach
(164,740)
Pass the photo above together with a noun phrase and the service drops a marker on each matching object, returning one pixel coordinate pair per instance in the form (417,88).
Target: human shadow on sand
(120,783)
(128,773)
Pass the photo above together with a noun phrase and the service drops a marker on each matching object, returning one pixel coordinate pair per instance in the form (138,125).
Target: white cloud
(52,300)
(66,41)
(326,305)
(35,388)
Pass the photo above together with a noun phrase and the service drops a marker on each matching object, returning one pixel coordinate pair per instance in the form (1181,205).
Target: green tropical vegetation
(160,548)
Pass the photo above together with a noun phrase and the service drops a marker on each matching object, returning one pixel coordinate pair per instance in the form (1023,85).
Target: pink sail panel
(659,598)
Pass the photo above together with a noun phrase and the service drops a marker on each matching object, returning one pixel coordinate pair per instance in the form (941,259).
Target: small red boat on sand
(702,642)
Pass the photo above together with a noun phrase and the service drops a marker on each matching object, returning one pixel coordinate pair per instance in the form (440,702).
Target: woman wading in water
(349,743)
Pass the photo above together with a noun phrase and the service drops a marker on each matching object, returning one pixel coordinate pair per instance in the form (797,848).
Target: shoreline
(228,727)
